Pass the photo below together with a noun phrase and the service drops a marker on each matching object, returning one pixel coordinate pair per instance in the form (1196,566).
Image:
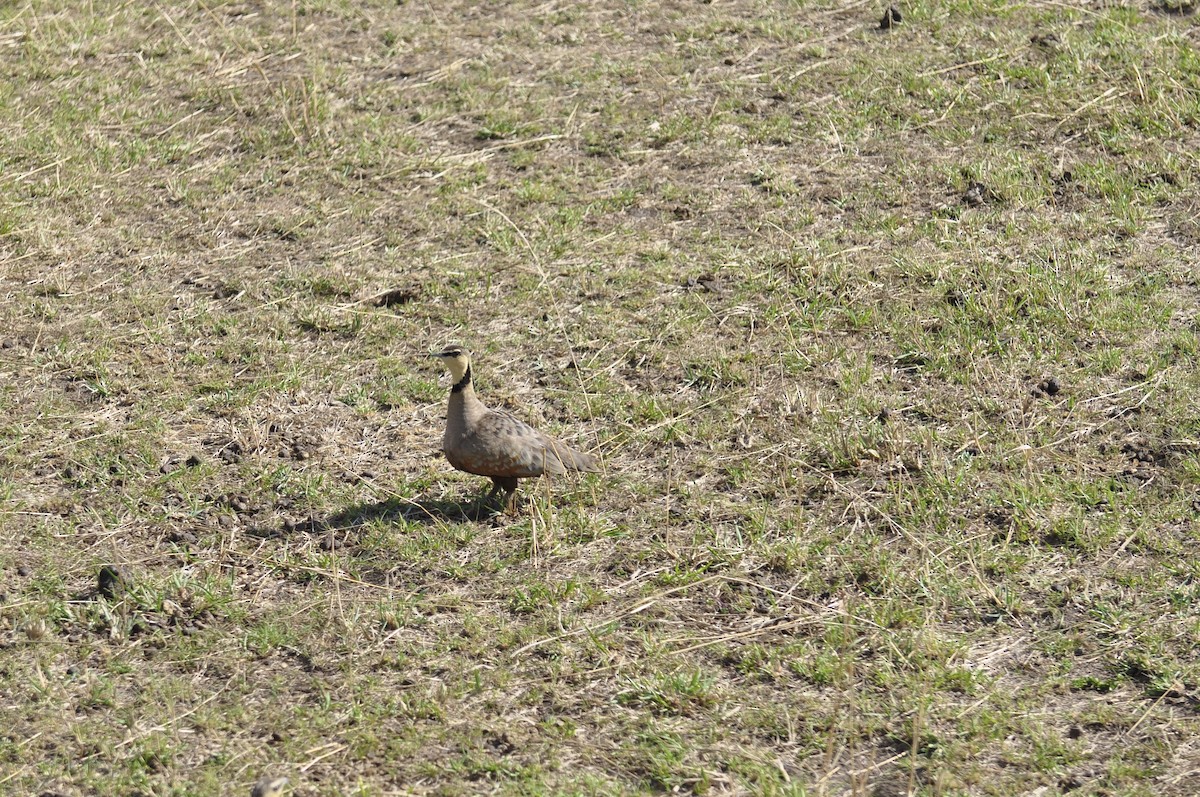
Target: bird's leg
(495,489)
(506,488)
(503,486)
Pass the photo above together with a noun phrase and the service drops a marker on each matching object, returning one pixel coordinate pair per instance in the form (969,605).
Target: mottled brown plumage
(494,443)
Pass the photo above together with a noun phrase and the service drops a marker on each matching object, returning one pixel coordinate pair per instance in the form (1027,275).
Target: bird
(268,787)
(494,443)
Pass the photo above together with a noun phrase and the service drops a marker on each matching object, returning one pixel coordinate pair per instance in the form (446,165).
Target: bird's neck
(464,408)
(463,383)
(462,397)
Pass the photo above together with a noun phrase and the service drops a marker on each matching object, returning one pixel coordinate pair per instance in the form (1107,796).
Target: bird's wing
(511,447)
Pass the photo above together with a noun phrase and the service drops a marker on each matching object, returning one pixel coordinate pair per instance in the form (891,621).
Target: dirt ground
(885,334)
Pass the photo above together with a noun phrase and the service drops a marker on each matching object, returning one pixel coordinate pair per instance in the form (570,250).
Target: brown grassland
(887,339)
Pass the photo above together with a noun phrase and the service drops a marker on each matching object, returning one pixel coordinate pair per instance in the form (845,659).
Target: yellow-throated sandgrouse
(494,443)
(269,787)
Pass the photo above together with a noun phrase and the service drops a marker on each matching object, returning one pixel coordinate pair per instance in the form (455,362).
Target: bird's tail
(575,460)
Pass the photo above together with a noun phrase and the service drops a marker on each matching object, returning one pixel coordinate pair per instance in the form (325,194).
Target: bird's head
(456,359)
(269,787)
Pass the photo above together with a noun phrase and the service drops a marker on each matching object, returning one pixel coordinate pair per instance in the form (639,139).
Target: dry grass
(888,340)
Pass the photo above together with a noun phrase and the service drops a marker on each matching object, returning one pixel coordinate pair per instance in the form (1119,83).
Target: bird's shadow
(430,511)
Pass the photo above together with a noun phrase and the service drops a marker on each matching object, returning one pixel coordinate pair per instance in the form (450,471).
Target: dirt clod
(891,18)
(1045,41)
(231,453)
(1139,473)
(399,296)
(113,581)
(1145,452)
(1047,387)
(182,537)
(976,194)
(708,283)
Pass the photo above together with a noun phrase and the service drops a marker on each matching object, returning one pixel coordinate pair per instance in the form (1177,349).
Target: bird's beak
(434,354)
